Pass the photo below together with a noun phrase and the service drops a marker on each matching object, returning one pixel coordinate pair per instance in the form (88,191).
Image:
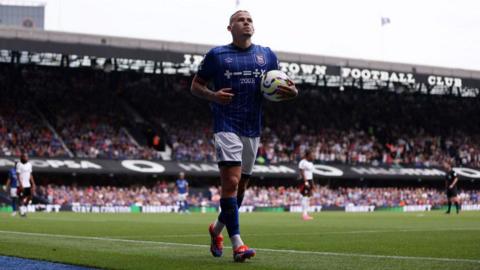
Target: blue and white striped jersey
(12,174)
(182,186)
(240,69)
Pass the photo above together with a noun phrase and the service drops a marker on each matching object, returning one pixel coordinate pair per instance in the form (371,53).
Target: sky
(442,33)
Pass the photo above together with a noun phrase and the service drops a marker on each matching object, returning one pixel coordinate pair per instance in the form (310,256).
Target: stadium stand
(350,127)
(21,126)
(260,196)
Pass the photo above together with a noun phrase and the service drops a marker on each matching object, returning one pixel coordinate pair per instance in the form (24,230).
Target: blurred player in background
(182,191)
(11,185)
(451,187)
(26,187)
(306,187)
(236,102)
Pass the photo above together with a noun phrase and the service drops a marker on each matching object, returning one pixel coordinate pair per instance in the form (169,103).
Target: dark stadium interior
(107,115)
(88,113)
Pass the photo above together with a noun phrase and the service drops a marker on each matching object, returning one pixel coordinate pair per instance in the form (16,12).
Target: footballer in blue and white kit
(12,185)
(235,71)
(182,192)
(237,126)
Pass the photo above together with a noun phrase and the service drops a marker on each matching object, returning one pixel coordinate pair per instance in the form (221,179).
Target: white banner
(360,208)
(31,208)
(299,209)
(417,208)
(160,208)
(245,208)
(470,207)
(100,209)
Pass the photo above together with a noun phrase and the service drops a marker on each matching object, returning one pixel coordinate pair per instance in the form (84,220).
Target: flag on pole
(385,21)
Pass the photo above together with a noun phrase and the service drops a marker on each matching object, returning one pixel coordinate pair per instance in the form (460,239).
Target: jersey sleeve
(301,165)
(274,60)
(206,69)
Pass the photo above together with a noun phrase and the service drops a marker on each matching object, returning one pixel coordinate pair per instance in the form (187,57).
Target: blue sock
(229,215)
(14,204)
(185,205)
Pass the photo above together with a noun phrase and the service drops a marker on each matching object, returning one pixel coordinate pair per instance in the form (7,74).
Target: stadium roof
(22,3)
(36,40)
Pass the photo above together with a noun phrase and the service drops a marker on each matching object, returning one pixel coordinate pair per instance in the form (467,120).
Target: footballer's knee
(230,187)
(230,176)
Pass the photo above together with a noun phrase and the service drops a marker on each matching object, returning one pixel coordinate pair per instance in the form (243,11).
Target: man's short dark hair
(235,13)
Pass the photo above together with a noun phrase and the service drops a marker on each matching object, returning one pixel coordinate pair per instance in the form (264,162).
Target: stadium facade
(151,56)
(69,50)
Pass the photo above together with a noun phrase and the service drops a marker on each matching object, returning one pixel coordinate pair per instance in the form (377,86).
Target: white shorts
(236,150)
(13,192)
(182,196)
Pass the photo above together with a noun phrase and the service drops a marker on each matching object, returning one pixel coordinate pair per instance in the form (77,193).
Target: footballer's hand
(223,96)
(287,92)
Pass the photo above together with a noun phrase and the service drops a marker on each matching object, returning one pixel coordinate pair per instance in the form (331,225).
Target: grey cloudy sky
(431,32)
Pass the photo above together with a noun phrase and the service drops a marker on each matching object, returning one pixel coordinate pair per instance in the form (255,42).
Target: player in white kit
(306,187)
(26,184)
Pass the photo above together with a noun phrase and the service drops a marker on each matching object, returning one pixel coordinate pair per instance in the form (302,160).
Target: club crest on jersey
(260,59)
(228,60)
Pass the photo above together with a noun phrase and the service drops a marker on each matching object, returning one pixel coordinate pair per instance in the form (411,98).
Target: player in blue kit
(12,185)
(182,190)
(235,72)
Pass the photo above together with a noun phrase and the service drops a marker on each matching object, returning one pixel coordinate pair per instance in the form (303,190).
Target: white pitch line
(369,255)
(195,235)
(372,231)
(102,239)
(396,230)
(259,249)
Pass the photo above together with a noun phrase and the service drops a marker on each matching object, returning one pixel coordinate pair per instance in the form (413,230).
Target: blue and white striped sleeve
(206,69)
(274,60)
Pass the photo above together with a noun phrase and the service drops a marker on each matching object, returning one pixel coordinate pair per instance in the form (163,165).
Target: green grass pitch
(333,240)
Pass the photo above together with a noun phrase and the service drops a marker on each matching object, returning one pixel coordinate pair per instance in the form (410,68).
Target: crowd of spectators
(86,109)
(163,194)
(341,197)
(85,112)
(21,129)
(353,127)
(374,128)
(21,125)
(167,103)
